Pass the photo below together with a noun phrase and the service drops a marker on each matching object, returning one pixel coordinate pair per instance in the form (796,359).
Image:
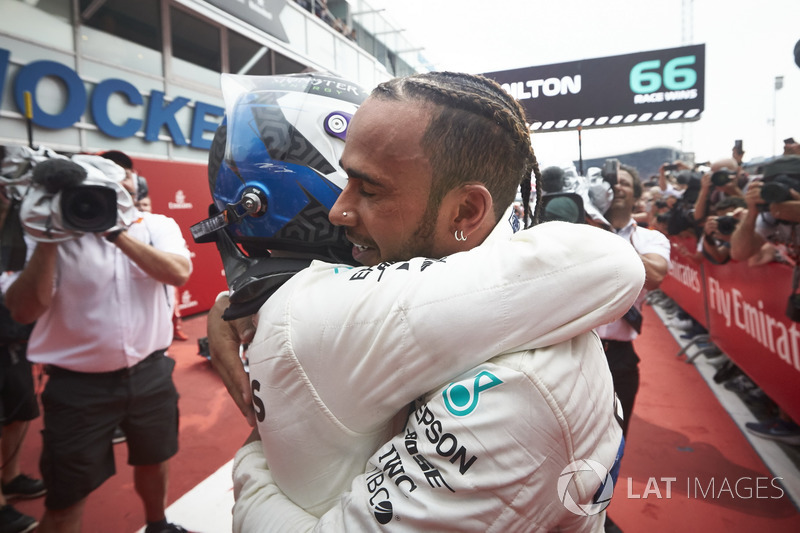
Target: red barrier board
(744,310)
(747,320)
(684,282)
(180,191)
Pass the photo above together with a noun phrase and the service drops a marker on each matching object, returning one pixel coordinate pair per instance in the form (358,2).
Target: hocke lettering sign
(116,106)
(626,90)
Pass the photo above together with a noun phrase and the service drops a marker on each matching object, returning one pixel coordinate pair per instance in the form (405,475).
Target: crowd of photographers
(734,211)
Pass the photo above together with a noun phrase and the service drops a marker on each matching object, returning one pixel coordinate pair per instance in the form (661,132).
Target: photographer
(715,243)
(654,249)
(721,181)
(664,181)
(773,209)
(103,322)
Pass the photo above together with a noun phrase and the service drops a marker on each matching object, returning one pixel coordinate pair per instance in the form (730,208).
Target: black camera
(721,177)
(88,208)
(563,206)
(83,206)
(681,218)
(777,189)
(793,308)
(726,224)
(671,166)
(610,171)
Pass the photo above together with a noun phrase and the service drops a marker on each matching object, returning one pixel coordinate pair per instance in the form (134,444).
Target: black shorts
(81,411)
(17,393)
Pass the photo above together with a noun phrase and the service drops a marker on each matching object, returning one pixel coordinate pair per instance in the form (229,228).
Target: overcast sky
(748,43)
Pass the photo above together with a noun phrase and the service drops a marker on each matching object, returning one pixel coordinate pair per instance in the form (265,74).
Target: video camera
(610,171)
(563,206)
(62,198)
(577,197)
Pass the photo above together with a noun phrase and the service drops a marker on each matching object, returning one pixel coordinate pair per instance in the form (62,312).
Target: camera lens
(90,208)
(726,225)
(775,192)
(720,178)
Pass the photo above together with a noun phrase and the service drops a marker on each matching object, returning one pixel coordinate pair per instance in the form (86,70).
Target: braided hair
(477,134)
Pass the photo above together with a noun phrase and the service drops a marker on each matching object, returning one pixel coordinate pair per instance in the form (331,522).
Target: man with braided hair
(500,405)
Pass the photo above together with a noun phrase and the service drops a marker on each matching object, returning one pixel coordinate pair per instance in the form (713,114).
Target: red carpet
(679,430)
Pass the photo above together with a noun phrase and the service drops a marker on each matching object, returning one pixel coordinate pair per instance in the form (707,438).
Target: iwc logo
(602,497)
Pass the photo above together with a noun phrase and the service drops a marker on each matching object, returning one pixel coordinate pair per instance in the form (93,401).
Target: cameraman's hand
(711,226)
(705,181)
(791,148)
(732,188)
(224,339)
(753,195)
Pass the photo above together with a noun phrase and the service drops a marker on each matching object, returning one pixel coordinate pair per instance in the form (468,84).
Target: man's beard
(420,244)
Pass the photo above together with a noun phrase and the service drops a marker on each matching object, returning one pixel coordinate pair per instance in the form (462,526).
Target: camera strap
(634,318)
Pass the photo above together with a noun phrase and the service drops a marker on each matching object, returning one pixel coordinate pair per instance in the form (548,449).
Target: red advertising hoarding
(684,282)
(747,320)
(744,310)
(180,191)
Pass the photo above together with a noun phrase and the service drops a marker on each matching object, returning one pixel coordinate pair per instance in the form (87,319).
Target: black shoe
(23,487)
(727,371)
(12,521)
(740,384)
(119,436)
(776,429)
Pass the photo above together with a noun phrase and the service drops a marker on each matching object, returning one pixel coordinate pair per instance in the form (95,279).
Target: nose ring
(344,213)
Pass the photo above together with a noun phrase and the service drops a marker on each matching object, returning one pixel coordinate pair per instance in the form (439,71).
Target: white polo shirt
(107,313)
(644,241)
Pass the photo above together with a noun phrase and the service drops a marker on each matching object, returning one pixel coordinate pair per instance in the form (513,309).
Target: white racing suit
(339,352)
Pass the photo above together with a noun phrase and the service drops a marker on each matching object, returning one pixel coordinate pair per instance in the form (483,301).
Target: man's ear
(475,209)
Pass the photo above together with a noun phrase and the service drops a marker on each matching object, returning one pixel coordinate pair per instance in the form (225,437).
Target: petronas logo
(461,401)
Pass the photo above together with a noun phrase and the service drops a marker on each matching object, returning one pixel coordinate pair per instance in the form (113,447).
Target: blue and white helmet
(276,159)
(274,175)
